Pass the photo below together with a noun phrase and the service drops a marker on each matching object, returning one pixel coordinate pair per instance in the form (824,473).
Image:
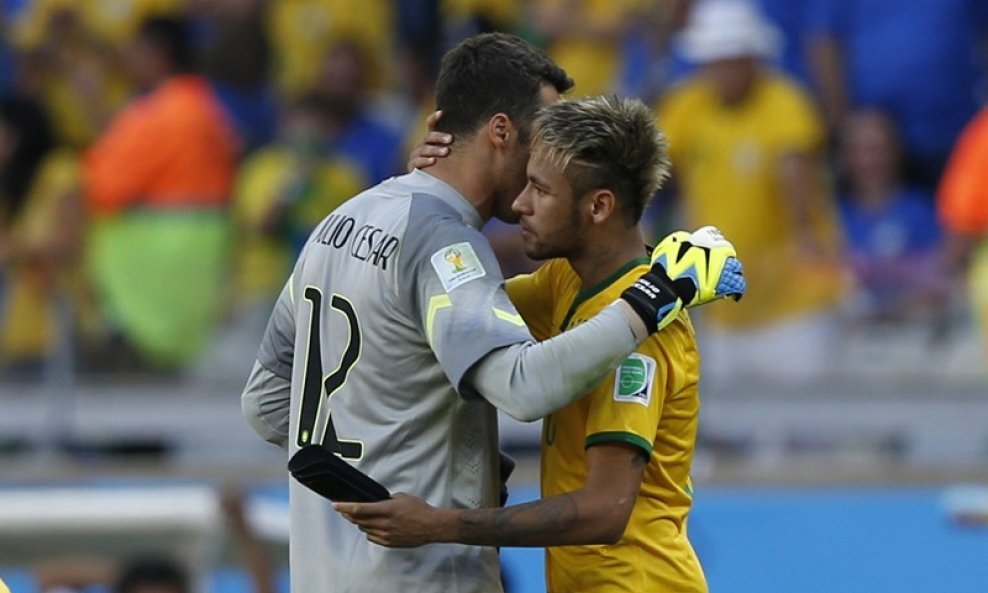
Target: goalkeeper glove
(704,266)
(687,270)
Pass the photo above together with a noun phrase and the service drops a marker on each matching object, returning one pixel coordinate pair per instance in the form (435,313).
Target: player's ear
(601,204)
(500,130)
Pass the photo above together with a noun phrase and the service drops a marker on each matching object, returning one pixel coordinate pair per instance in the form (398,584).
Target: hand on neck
(469,173)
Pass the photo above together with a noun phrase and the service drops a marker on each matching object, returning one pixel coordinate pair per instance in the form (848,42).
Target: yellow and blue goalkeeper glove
(688,269)
(707,260)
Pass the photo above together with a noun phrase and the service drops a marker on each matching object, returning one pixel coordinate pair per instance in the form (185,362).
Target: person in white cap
(746,144)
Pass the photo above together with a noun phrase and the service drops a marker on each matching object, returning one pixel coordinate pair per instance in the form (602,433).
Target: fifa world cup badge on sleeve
(633,380)
(456,265)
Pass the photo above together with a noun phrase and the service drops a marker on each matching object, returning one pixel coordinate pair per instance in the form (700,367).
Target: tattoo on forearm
(518,525)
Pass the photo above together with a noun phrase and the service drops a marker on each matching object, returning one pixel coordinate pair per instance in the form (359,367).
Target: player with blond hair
(615,464)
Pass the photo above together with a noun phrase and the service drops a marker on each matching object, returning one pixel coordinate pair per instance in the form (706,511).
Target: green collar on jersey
(596,289)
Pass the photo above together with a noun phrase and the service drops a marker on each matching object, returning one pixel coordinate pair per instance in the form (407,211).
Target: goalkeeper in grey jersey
(393,342)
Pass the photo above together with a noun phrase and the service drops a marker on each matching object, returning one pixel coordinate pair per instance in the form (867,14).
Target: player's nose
(522,204)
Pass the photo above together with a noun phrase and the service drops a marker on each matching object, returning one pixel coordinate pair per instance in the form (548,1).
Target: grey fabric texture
(396,333)
(529,381)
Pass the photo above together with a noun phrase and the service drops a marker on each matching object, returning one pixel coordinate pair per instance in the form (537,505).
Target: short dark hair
(151,571)
(606,143)
(493,73)
(173,36)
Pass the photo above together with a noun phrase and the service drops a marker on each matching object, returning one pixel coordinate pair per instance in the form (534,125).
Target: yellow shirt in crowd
(264,259)
(726,160)
(111,21)
(302,31)
(651,402)
(85,61)
(27,323)
(593,63)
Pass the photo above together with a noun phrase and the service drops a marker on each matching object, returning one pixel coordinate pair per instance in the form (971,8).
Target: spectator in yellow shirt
(583,37)
(746,143)
(303,31)
(113,22)
(282,192)
(77,48)
(39,232)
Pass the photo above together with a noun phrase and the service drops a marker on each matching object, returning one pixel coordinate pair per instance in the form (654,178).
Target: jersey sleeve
(532,295)
(451,285)
(278,344)
(627,406)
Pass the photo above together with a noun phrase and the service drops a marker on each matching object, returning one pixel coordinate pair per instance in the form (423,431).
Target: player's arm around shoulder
(533,295)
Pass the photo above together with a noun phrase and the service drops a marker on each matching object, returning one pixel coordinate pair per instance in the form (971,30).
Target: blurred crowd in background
(162,161)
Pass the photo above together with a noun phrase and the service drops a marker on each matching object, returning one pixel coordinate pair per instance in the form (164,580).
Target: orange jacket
(172,149)
(963,197)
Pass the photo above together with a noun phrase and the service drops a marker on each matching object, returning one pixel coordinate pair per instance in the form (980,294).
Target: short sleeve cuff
(618,437)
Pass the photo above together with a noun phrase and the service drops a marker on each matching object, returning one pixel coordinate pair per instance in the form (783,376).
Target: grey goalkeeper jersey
(394,297)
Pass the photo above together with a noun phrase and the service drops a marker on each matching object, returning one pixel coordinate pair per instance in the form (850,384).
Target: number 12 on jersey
(317,390)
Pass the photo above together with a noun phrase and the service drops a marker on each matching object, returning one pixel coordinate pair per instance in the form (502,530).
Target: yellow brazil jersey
(726,158)
(651,401)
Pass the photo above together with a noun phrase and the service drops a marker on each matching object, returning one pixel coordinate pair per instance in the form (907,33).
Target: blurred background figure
(144,567)
(236,57)
(354,131)
(463,18)
(282,191)
(894,241)
(746,145)
(138,575)
(963,209)
(157,186)
(152,576)
(922,62)
(79,52)
(791,21)
(303,31)
(584,38)
(40,237)
(162,160)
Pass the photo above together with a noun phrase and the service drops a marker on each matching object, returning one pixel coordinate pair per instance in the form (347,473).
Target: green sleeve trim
(620,437)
